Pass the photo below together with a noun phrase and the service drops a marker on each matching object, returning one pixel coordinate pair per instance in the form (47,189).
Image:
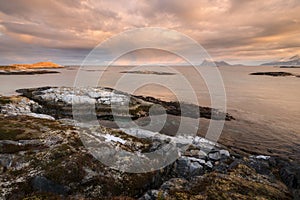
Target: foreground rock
(58,103)
(17,105)
(236,184)
(43,158)
(274,74)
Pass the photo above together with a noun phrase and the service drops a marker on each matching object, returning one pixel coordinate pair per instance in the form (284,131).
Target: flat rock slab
(110,103)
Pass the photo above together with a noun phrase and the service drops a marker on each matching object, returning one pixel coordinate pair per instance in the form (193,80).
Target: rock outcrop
(21,106)
(43,158)
(58,103)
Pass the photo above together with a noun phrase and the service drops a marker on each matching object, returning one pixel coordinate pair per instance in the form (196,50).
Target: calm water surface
(267,109)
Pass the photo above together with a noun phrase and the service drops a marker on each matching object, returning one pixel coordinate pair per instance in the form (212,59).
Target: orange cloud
(229,29)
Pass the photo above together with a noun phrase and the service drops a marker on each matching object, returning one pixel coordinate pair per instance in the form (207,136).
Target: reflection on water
(267,108)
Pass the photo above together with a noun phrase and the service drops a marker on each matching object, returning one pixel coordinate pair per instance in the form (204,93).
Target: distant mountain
(291,61)
(208,63)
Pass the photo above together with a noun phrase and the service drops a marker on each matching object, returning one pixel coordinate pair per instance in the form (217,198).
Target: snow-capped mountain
(291,61)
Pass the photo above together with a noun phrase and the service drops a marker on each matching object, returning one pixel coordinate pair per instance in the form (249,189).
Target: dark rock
(174,184)
(235,163)
(188,110)
(289,67)
(273,73)
(218,155)
(150,195)
(33,72)
(261,166)
(291,176)
(188,167)
(221,168)
(240,183)
(42,184)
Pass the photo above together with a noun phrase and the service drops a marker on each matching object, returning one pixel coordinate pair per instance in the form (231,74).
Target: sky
(237,31)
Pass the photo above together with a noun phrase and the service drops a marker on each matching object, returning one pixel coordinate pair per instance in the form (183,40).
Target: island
(29,69)
(148,72)
(274,74)
(289,67)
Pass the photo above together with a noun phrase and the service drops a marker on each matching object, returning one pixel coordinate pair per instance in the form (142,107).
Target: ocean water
(267,109)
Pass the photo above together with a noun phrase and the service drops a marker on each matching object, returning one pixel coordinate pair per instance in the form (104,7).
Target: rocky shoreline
(58,103)
(42,155)
(27,72)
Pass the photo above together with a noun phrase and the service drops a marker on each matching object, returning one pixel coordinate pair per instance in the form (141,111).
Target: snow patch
(262,157)
(109,138)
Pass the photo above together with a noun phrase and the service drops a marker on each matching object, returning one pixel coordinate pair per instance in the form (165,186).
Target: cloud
(228,29)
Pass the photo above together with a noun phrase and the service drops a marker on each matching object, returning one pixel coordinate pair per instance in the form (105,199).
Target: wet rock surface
(43,158)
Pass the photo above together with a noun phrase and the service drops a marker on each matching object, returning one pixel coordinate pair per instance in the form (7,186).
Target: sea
(266,108)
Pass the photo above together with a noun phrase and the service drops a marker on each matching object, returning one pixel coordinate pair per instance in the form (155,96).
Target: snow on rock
(183,140)
(42,116)
(23,106)
(261,157)
(82,100)
(109,138)
(94,94)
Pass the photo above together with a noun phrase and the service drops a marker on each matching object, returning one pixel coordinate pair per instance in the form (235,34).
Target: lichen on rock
(46,158)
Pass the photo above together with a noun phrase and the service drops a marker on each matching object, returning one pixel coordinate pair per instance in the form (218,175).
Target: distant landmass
(29,69)
(38,65)
(291,61)
(275,74)
(147,72)
(207,63)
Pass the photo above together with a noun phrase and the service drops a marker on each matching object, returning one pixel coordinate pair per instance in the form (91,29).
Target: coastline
(219,164)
